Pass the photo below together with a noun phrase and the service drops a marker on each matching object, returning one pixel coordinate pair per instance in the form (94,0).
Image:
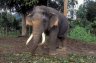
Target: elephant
(46,21)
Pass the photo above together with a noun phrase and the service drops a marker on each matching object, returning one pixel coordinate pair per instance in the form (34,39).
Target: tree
(8,21)
(21,6)
(90,7)
(65,7)
(91,14)
(91,10)
(57,4)
(81,13)
(87,15)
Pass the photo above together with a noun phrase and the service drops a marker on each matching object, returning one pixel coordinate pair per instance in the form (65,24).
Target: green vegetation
(84,27)
(27,58)
(9,26)
(87,15)
(82,34)
(9,34)
(7,20)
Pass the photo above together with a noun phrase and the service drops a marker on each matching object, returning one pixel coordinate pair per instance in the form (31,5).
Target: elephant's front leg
(53,41)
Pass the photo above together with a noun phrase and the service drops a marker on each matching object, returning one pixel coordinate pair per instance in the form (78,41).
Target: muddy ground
(17,45)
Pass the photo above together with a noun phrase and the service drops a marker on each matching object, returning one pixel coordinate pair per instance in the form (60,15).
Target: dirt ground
(17,45)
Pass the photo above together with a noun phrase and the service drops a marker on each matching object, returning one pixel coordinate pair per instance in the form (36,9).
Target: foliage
(21,6)
(10,34)
(81,22)
(81,33)
(81,17)
(8,20)
(27,58)
(91,10)
(81,13)
(87,11)
(87,16)
(57,4)
(9,26)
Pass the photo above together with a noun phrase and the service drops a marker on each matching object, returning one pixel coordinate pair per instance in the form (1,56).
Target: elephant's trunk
(36,40)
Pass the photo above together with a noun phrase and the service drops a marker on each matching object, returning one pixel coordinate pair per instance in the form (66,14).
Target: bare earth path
(17,45)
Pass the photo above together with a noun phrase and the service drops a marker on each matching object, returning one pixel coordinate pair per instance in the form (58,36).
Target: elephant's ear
(53,20)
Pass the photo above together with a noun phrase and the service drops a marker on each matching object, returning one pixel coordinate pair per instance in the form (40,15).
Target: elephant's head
(41,19)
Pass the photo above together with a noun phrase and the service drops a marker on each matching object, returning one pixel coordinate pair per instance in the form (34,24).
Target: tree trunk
(65,7)
(23,25)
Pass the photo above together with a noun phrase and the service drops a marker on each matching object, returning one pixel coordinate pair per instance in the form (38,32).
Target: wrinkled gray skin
(47,20)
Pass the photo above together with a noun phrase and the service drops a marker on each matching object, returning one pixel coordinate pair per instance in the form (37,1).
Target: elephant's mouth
(31,36)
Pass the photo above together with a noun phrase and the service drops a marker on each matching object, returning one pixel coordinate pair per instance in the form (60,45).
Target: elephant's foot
(53,53)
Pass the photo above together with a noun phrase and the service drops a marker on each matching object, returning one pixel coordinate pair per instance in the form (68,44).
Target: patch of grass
(81,33)
(27,58)
(9,34)
(5,46)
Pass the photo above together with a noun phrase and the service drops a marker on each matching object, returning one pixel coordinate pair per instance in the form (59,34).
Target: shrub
(81,34)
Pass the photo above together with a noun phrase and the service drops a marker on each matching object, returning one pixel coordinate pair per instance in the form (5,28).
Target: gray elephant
(46,21)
